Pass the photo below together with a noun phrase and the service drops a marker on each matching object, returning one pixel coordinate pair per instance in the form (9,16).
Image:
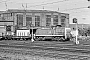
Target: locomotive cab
(34,30)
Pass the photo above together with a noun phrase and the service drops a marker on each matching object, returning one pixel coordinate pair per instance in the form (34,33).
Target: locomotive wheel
(17,39)
(37,38)
(62,39)
(21,39)
(67,39)
(57,38)
(40,38)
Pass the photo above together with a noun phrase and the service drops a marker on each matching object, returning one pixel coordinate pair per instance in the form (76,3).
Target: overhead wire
(42,3)
(52,3)
(48,3)
(75,8)
(26,2)
(4,1)
(58,7)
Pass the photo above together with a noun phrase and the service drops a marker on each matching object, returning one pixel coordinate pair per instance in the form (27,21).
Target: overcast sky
(74,7)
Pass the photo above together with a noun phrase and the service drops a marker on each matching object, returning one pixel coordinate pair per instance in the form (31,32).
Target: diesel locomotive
(54,33)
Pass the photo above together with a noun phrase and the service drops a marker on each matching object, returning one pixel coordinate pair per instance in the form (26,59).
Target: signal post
(32,36)
(75,21)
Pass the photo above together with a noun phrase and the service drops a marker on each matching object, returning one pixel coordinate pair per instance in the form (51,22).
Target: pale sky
(65,6)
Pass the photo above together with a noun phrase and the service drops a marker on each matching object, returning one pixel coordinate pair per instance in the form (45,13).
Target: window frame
(55,19)
(48,20)
(28,20)
(37,21)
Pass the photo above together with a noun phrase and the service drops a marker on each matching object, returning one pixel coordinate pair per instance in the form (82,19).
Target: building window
(37,21)
(55,20)
(48,20)
(63,18)
(20,20)
(28,20)
(7,16)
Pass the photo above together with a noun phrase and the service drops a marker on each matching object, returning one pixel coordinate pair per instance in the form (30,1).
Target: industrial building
(13,19)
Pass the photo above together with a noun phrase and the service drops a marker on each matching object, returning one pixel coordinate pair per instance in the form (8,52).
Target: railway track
(60,48)
(41,53)
(50,46)
(52,50)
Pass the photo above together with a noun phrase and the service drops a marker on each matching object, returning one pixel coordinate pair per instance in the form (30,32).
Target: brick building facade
(28,18)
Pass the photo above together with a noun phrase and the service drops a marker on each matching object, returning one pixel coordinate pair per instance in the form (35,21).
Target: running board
(49,35)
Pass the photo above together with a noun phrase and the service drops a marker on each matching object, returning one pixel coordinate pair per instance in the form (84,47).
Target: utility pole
(77,42)
(6,5)
(5,2)
(32,36)
(26,6)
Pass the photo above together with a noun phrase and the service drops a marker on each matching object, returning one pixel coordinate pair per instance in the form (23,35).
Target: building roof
(40,11)
(30,11)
